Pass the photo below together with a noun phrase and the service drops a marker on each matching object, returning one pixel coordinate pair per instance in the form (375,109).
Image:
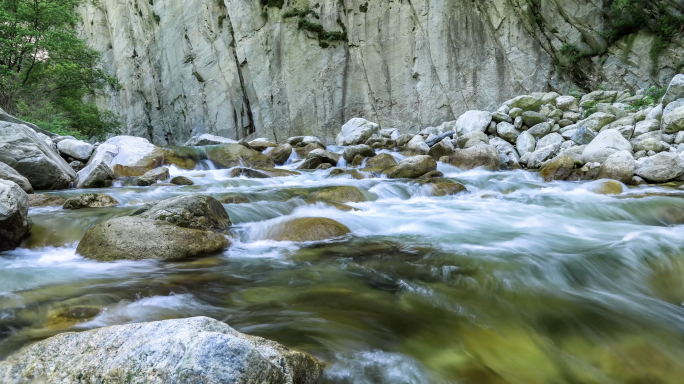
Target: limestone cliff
(240,68)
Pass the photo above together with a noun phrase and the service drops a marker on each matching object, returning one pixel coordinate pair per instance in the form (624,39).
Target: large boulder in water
(136,238)
(560,168)
(481,155)
(412,167)
(308,229)
(357,150)
(235,155)
(660,168)
(280,154)
(619,166)
(152,176)
(356,131)
(14,220)
(8,173)
(188,211)
(132,156)
(98,173)
(381,161)
(341,194)
(30,156)
(90,200)
(193,350)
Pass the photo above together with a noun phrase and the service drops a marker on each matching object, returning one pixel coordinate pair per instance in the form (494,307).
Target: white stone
(605,144)
(660,167)
(473,121)
(79,150)
(356,131)
(525,143)
(675,90)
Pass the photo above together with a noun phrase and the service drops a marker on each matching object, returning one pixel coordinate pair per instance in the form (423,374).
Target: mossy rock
(381,161)
(342,194)
(90,200)
(234,199)
(181,180)
(560,168)
(607,187)
(44,200)
(248,173)
(188,211)
(274,172)
(443,187)
(68,317)
(308,229)
(234,155)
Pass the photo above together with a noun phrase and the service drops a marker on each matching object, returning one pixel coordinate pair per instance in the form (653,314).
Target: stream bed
(514,281)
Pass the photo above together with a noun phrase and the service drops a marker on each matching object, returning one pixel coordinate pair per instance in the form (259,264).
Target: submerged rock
(188,211)
(15,223)
(342,194)
(137,238)
(440,187)
(308,229)
(607,187)
(412,167)
(181,180)
(152,176)
(8,173)
(193,350)
(90,200)
(248,173)
(234,199)
(235,155)
(43,200)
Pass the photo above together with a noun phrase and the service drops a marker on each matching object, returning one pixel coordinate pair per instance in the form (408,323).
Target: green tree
(48,74)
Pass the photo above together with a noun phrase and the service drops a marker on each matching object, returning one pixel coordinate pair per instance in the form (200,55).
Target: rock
(341,194)
(526,103)
(499,117)
(382,143)
(606,187)
(567,104)
(90,200)
(77,166)
(79,150)
(133,156)
(361,149)
(234,199)
(193,211)
(261,144)
(507,131)
(191,350)
(583,136)
(308,229)
(310,163)
(598,97)
(655,114)
(280,154)
(416,146)
(447,189)
(207,139)
(597,121)
(532,118)
(525,143)
(443,148)
(305,150)
(97,174)
(675,90)
(552,138)
(248,173)
(540,130)
(381,161)
(628,120)
(472,139)
(235,155)
(325,156)
(390,133)
(541,154)
(31,157)
(181,180)
(514,113)
(136,238)
(659,168)
(472,121)
(39,200)
(412,167)
(439,138)
(648,142)
(482,155)
(508,156)
(15,223)
(432,175)
(560,168)
(275,172)
(8,173)
(646,126)
(356,131)
(302,141)
(673,122)
(152,176)
(605,144)
(619,166)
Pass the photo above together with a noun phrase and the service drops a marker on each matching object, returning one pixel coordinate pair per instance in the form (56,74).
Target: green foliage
(46,72)
(653,96)
(273,3)
(198,77)
(574,92)
(590,108)
(324,37)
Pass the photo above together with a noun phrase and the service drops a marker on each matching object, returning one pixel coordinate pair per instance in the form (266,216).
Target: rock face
(136,238)
(237,68)
(23,150)
(14,221)
(308,229)
(188,211)
(8,173)
(356,131)
(193,350)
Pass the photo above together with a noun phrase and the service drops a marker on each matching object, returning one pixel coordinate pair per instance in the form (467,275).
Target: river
(514,281)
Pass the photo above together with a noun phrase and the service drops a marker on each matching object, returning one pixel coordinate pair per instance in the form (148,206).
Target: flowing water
(515,281)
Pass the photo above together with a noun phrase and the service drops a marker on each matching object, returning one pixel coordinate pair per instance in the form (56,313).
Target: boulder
(308,229)
(248,173)
(567,104)
(90,200)
(526,103)
(525,143)
(303,141)
(325,156)
(508,156)
(235,155)
(261,145)
(552,138)
(675,90)
(412,167)
(472,139)
(540,130)
(152,176)
(97,174)
(39,200)
(673,122)
(76,149)
(381,161)
(473,121)
(417,146)
(605,144)
(560,168)
(390,133)
(193,211)
(361,149)
(481,155)
(655,114)
(606,187)
(77,166)
(662,167)
(306,149)
(439,138)
(133,156)
(181,180)
(597,121)
(507,131)
(651,141)
(541,154)
(532,118)
(207,139)
(356,131)
(8,173)
(619,166)
(443,148)
(15,223)
(31,157)
(646,126)
(341,194)
(583,136)
(598,97)
(137,238)
(280,154)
